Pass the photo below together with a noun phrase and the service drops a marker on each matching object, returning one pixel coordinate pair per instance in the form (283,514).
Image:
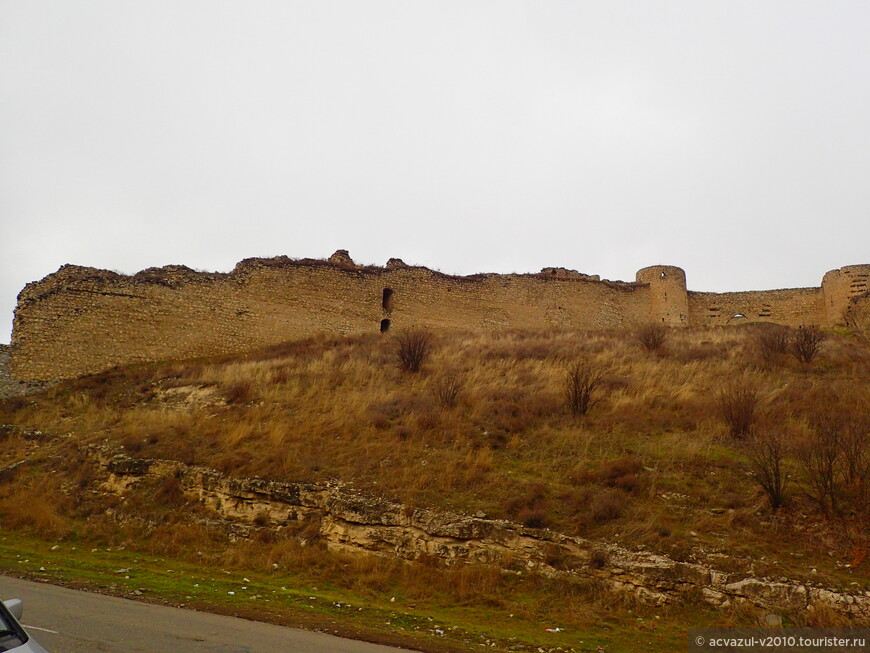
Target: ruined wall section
(82,320)
(486,302)
(792,307)
(840,287)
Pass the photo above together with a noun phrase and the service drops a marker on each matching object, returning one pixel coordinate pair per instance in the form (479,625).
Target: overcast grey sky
(730,138)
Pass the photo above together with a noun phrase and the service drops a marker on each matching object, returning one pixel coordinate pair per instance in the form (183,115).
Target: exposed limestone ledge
(351,522)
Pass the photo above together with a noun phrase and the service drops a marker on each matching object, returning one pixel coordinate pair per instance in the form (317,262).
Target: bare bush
(857,316)
(820,457)
(806,343)
(773,340)
(447,389)
(652,337)
(738,406)
(582,379)
(835,459)
(766,457)
(413,348)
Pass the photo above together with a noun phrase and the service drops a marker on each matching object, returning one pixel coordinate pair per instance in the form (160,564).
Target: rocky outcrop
(351,522)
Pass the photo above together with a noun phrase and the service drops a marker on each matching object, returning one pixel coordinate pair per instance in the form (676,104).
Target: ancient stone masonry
(11,387)
(83,320)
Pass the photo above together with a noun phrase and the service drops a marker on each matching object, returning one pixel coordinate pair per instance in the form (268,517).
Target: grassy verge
(297,600)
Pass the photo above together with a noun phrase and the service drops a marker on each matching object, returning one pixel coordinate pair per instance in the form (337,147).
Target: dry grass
(34,508)
(482,426)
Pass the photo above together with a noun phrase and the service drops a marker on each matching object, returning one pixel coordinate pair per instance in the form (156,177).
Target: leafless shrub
(856,459)
(738,406)
(413,348)
(447,389)
(820,457)
(652,337)
(806,343)
(773,340)
(766,456)
(835,459)
(582,379)
(857,316)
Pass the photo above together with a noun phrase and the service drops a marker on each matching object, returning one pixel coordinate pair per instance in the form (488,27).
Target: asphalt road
(70,621)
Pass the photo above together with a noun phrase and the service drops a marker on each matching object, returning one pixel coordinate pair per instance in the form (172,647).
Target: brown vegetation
(582,380)
(413,348)
(652,337)
(806,342)
(487,430)
(773,340)
(767,452)
(738,405)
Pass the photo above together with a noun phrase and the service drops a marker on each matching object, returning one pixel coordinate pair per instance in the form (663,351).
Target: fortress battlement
(81,320)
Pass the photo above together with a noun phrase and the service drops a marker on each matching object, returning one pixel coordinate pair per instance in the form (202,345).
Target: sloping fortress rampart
(82,320)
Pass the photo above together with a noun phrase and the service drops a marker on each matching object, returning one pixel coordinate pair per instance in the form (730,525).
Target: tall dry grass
(333,408)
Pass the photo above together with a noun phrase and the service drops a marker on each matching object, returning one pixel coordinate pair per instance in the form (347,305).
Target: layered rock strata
(348,521)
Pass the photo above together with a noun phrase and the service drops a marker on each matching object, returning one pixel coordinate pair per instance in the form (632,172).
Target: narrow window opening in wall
(387,299)
(385,326)
(664,275)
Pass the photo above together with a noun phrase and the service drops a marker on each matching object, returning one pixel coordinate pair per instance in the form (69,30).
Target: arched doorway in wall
(385,325)
(387,299)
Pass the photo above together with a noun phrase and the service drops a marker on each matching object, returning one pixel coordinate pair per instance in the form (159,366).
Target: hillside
(661,462)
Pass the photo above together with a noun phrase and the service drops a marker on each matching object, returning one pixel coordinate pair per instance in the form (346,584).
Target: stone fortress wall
(82,320)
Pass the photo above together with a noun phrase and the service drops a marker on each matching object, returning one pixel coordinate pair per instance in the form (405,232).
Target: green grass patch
(297,600)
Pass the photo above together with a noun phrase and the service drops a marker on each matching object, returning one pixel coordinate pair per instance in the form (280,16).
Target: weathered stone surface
(9,386)
(350,522)
(124,465)
(342,257)
(83,320)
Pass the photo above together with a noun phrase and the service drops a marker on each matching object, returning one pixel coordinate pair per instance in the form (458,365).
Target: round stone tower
(840,286)
(669,299)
